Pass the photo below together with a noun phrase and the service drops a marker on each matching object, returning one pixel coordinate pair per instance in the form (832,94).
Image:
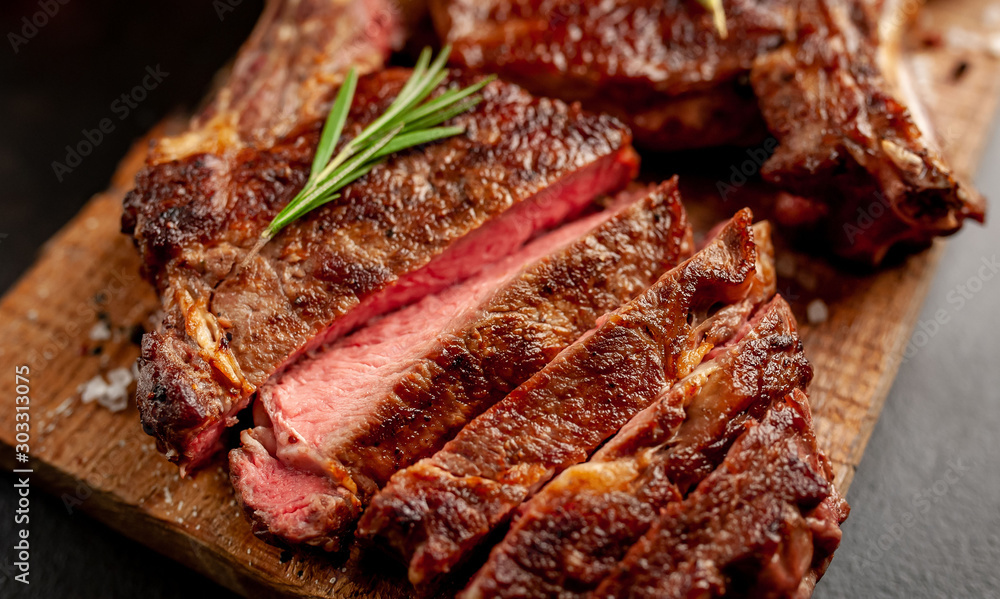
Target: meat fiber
(437,511)
(765,523)
(570,536)
(422,221)
(819,75)
(334,428)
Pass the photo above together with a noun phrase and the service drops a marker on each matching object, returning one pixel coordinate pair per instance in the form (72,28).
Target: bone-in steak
(337,426)
(416,224)
(568,537)
(818,73)
(438,510)
(765,523)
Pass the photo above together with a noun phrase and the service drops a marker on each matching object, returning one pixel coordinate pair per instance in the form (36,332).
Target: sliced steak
(569,536)
(820,75)
(438,510)
(334,428)
(765,523)
(414,225)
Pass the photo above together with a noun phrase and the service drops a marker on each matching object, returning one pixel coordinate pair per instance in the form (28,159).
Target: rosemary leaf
(410,120)
(335,123)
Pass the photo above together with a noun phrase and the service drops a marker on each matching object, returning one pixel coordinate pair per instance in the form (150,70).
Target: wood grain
(101,463)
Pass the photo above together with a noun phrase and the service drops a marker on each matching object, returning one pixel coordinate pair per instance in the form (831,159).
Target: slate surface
(926,517)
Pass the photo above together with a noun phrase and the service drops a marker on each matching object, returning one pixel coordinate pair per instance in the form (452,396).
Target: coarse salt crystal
(100,331)
(112,393)
(817,311)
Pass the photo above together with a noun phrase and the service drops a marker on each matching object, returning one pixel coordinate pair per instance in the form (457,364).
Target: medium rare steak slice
(765,523)
(820,75)
(421,221)
(437,511)
(334,428)
(569,536)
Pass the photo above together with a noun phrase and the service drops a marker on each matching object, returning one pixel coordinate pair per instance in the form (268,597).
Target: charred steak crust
(764,524)
(657,65)
(571,535)
(523,326)
(521,329)
(193,219)
(437,511)
(847,139)
(817,74)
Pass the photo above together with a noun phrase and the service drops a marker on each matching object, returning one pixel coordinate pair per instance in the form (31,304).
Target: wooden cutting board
(101,463)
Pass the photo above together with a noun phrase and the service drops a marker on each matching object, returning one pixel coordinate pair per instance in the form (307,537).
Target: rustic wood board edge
(128,486)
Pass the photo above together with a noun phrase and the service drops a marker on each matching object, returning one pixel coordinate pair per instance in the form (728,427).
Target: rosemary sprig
(718,16)
(410,120)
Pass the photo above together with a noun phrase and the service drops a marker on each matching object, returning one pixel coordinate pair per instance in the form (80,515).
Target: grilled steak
(568,537)
(818,73)
(436,511)
(416,224)
(333,429)
(765,523)
(658,64)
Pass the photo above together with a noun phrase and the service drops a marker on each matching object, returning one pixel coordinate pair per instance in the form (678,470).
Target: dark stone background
(926,500)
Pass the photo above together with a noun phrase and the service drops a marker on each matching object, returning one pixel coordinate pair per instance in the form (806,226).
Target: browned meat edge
(822,74)
(569,536)
(765,523)
(437,511)
(193,219)
(520,329)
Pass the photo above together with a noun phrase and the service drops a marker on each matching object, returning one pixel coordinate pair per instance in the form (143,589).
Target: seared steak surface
(437,511)
(416,224)
(333,429)
(570,536)
(817,73)
(658,64)
(765,523)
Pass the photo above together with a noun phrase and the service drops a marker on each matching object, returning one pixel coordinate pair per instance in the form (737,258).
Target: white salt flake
(32,315)
(817,311)
(993,46)
(991,15)
(167,497)
(61,408)
(100,331)
(111,393)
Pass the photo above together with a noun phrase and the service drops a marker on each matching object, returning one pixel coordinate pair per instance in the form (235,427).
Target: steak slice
(570,536)
(421,221)
(333,429)
(437,511)
(820,75)
(765,523)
